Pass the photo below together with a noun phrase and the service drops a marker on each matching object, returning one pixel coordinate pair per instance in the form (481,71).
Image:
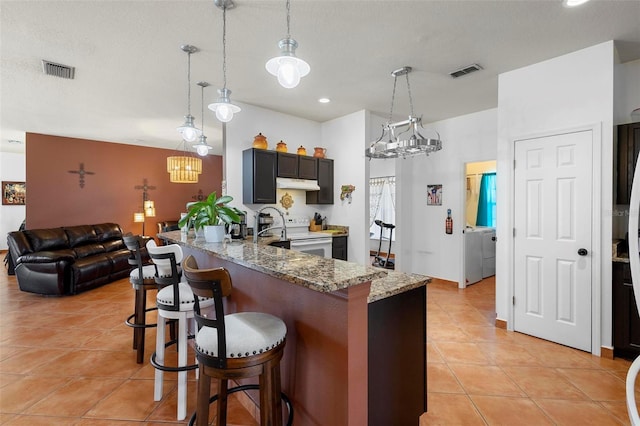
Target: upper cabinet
(297,166)
(261,167)
(628,149)
(259,176)
(325,181)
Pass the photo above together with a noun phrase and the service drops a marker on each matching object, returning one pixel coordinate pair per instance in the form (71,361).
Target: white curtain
(382,193)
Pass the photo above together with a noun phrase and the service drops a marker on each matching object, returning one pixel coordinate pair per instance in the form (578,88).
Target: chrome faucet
(283,235)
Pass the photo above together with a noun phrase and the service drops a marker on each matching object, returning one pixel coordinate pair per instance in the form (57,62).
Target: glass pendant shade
(184,169)
(189,132)
(223,107)
(287,67)
(202,147)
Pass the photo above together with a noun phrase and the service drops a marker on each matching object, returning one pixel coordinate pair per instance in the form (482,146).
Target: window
(382,203)
(487,201)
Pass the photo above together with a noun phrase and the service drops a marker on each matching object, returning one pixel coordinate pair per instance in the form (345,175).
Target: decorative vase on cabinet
(260,141)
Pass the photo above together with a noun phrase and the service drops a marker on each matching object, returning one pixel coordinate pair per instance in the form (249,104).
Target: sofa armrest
(47,257)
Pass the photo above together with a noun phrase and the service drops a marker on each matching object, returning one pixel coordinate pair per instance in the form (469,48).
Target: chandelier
(202,147)
(184,168)
(223,107)
(403,138)
(287,67)
(188,130)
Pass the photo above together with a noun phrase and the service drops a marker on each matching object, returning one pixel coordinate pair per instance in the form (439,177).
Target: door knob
(582,252)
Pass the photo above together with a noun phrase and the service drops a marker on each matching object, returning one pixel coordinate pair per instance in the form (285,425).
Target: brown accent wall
(55,197)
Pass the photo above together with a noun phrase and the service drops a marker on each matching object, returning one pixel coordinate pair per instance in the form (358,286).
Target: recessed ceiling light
(15,141)
(324,100)
(573,3)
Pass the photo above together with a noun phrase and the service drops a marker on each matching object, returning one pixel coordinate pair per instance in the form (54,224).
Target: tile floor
(69,361)
(481,375)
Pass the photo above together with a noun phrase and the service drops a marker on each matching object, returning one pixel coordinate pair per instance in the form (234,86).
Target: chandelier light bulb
(189,134)
(202,150)
(224,113)
(288,75)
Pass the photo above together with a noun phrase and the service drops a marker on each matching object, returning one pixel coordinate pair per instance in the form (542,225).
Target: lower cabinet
(626,322)
(339,248)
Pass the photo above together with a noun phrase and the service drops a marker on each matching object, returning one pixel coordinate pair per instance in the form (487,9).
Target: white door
(553,205)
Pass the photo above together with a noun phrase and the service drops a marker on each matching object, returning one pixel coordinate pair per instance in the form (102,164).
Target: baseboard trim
(606,352)
(501,324)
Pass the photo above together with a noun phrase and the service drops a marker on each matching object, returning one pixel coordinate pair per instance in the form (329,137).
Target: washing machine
(480,253)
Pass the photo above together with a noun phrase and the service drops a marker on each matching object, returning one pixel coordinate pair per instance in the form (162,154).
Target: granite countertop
(313,272)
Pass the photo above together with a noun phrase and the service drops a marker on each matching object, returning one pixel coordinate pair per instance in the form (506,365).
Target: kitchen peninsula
(356,335)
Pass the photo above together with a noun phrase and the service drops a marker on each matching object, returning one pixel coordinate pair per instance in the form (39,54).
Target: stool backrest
(166,260)
(211,283)
(133,243)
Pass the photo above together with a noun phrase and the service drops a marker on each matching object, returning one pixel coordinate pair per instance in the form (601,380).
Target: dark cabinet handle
(582,252)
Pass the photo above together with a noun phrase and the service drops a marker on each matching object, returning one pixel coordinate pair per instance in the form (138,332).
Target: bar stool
(142,280)
(234,346)
(175,301)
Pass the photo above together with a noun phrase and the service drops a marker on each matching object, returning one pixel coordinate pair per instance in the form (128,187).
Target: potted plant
(211,215)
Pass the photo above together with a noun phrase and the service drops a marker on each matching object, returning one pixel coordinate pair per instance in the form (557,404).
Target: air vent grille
(466,70)
(58,70)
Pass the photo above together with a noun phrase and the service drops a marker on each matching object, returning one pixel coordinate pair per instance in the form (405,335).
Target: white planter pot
(214,233)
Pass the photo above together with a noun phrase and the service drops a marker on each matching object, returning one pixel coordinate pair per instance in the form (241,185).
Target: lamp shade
(138,217)
(184,169)
(149,208)
(287,67)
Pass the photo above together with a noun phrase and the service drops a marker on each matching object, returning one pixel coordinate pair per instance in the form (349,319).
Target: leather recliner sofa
(68,260)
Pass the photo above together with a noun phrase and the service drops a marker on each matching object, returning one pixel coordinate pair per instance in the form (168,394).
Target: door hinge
(514,232)
(514,163)
(513,300)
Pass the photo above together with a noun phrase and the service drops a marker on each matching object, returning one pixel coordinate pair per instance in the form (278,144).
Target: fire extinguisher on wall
(448,223)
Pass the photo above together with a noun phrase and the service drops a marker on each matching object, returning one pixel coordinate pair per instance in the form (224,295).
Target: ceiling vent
(58,70)
(466,70)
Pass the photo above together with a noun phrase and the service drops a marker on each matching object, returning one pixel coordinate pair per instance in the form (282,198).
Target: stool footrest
(158,366)
(283,396)
(145,325)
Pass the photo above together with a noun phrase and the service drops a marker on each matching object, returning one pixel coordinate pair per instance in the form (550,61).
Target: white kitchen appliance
(634,263)
(317,243)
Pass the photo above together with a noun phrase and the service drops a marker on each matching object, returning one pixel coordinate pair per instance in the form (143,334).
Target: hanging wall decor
(14,193)
(81,172)
(434,195)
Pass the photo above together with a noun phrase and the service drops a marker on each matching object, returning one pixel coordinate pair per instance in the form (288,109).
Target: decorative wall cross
(198,197)
(145,187)
(81,172)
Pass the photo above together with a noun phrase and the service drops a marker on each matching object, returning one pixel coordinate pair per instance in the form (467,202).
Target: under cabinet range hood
(304,184)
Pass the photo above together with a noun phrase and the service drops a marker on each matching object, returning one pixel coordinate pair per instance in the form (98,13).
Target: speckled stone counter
(316,273)
(356,335)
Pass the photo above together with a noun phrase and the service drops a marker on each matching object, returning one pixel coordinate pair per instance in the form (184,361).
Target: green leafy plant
(212,211)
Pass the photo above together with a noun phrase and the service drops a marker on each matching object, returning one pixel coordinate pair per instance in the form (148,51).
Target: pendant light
(202,147)
(223,107)
(188,131)
(409,141)
(287,67)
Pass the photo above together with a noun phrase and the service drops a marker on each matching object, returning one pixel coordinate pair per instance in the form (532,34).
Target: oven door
(316,246)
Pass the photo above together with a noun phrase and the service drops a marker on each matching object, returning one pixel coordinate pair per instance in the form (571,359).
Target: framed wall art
(434,195)
(14,193)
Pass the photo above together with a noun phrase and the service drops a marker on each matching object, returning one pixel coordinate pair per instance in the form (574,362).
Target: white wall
(424,247)
(275,126)
(345,139)
(12,168)
(627,91)
(568,92)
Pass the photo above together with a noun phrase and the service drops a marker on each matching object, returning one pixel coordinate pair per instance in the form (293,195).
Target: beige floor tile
(460,352)
(489,380)
(23,393)
(132,400)
(541,382)
(450,409)
(571,413)
(510,411)
(599,385)
(507,354)
(440,379)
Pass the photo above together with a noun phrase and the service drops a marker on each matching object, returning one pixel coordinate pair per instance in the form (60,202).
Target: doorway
(479,241)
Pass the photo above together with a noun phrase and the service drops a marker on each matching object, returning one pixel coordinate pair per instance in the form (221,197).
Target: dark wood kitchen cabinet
(259,176)
(325,181)
(297,166)
(339,248)
(628,149)
(626,322)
